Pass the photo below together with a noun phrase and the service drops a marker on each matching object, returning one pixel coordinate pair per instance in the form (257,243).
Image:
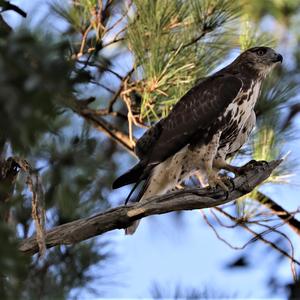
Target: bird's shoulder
(205,100)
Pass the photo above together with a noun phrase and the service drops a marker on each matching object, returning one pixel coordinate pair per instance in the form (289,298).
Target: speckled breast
(238,112)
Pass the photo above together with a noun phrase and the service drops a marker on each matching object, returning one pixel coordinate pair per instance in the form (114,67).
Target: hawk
(208,124)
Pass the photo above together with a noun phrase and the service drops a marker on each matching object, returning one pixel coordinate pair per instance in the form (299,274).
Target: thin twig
(83,40)
(110,130)
(113,41)
(120,19)
(275,229)
(218,236)
(117,94)
(258,236)
(93,64)
(103,86)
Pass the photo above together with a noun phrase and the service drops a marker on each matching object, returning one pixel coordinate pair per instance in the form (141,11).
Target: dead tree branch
(121,217)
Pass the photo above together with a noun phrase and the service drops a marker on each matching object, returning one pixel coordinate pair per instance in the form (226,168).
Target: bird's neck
(245,70)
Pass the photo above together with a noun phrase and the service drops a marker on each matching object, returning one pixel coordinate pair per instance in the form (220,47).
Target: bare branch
(196,39)
(94,116)
(83,40)
(101,124)
(117,94)
(121,19)
(6,5)
(113,41)
(121,217)
(259,236)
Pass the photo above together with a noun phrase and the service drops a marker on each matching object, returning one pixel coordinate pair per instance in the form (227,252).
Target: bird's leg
(214,179)
(220,163)
(212,173)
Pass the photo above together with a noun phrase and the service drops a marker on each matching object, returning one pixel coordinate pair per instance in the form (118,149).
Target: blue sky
(186,252)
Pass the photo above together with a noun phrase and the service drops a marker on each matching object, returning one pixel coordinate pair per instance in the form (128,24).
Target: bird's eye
(260,52)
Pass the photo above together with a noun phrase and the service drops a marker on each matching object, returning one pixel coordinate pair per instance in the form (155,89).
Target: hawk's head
(261,59)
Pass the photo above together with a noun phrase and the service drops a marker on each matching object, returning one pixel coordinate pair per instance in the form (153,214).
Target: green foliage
(251,36)
(282,10)
(64,269)
(34,80)
(78,15)
(270,137)
(170,41)
(38,82)
(12,265)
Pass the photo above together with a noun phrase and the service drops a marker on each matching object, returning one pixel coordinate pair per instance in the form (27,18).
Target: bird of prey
(208,124)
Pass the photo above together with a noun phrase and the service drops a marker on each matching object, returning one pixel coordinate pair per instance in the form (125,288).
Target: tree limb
(6,5)
(101,124)
(121,217)
(279,211)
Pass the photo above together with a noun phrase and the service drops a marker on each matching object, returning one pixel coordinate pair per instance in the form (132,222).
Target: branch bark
(121,217)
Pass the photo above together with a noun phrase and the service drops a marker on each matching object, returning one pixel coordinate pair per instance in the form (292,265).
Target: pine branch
(279,211)
(94,117)
(122,216)
(6,5)
(110,130)
(117,94)
(196,39)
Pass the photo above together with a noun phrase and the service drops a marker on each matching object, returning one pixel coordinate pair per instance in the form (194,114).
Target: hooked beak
(278,58)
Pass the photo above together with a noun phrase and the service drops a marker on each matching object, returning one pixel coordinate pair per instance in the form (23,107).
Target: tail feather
(132,228)
(144,188)
(136,175)
(142,191)
(131,176)
(132,191)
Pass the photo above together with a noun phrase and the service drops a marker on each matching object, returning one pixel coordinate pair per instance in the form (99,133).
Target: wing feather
(195,111)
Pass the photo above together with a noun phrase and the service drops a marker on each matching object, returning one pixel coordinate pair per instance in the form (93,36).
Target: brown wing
(195,111)
(148,139)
